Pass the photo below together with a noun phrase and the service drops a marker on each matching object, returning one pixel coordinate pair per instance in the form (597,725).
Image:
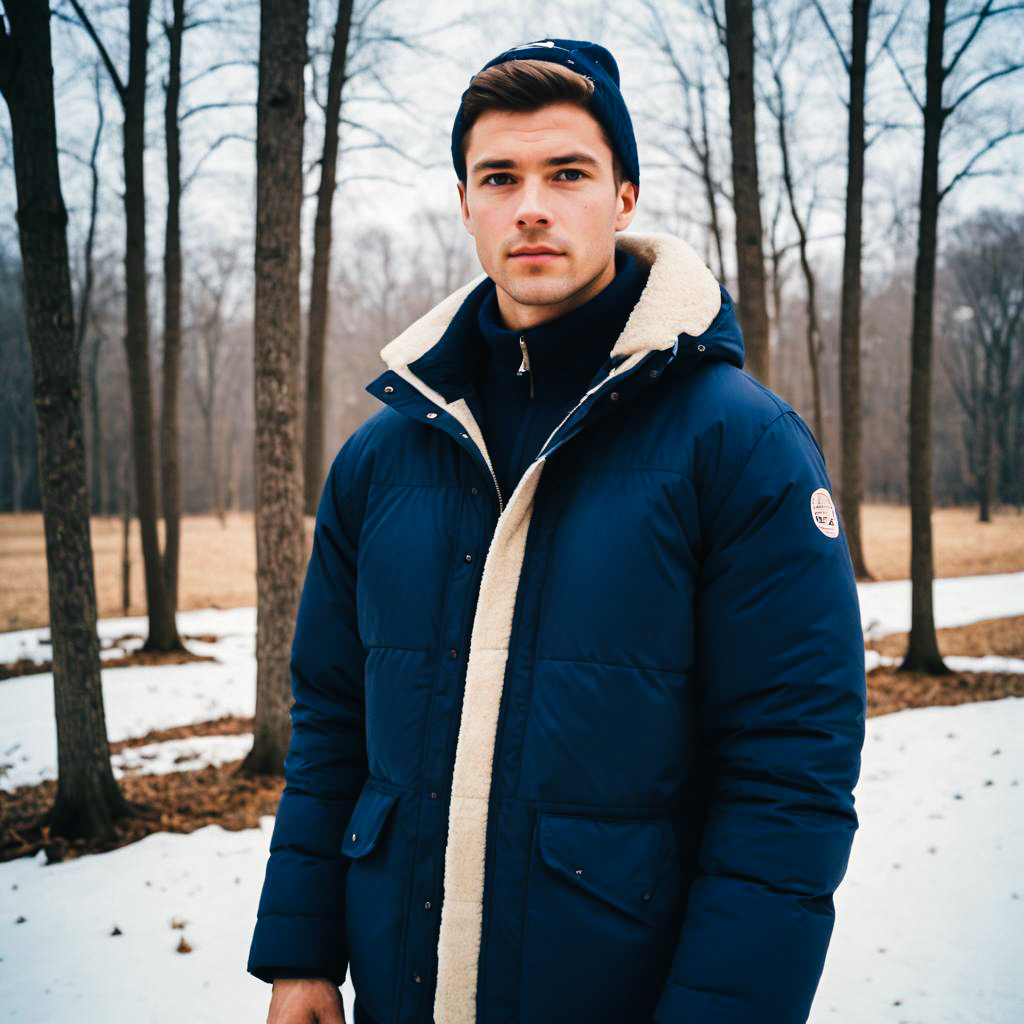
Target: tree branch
(832,35)
(975,29)
(966,171)
(906,81)
(107,62)
(1009,70)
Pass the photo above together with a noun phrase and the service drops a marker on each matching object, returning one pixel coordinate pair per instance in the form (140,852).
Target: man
(578,667)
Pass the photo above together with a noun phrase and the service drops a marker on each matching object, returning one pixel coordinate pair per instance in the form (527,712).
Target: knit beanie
(606,102)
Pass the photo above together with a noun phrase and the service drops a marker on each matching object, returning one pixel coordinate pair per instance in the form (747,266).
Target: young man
(578,667)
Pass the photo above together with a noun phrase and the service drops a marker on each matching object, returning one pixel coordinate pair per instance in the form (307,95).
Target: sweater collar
(563,353)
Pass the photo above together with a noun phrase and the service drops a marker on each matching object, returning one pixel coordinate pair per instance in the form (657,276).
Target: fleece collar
(681,297)
(563,353)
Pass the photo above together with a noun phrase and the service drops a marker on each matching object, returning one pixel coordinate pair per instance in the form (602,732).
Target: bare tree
(170,474)
(923,649)
(163,632)
(318,296)
(88,800)
(753,311)
(280,549)
(209,356)
(779,53)
(691,121)
(987,342)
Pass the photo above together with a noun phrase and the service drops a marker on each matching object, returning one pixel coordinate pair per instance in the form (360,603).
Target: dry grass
(963,546)
(218,564)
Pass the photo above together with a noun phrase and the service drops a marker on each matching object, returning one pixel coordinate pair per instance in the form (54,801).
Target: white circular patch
(823,512)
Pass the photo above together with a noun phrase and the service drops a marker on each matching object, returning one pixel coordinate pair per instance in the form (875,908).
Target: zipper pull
(525,365)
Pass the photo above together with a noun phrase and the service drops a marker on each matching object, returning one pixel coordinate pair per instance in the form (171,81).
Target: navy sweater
(519,407)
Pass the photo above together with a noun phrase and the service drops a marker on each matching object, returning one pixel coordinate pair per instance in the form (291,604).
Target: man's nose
(533,208)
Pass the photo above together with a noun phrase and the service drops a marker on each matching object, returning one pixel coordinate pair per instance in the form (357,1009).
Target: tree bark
(319,291)
(280,113)
(810,284)
(923,648)
(170,476)
(753,312)
(88,800)
(850,403)
(163,632)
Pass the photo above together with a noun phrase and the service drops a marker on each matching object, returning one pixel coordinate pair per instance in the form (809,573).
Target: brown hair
(524,86)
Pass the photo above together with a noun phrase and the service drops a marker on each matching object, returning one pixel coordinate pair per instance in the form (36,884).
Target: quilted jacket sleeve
(781,699)
(300,924)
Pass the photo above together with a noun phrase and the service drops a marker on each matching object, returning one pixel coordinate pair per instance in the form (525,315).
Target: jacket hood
(681,307)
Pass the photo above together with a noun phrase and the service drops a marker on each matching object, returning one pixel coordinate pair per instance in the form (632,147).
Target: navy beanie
(606,102)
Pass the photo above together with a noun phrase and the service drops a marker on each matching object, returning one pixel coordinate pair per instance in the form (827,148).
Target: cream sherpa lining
(681,296)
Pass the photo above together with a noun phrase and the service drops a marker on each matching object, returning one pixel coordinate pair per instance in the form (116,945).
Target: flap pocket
(368,817)
(631,864)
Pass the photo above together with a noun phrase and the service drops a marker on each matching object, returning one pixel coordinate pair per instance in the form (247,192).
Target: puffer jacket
(584,752)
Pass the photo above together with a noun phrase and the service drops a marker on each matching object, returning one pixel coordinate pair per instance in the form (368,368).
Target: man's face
(543,179)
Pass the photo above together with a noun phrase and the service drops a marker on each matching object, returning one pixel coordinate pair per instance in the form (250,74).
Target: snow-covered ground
(930,917)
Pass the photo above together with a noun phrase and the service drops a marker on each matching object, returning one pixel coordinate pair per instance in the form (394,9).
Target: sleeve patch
(823,512)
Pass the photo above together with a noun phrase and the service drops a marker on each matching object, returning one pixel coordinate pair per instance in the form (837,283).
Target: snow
(929,918)
(136,699)
(956,600)
(180,755)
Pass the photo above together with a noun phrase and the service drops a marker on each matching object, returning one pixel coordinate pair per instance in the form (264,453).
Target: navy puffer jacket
(584,752)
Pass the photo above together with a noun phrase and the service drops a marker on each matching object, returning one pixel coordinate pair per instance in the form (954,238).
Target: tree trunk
(280,112)
(850,408)
(319,291)
(170,482)
(813,331)
(739,20)
(88,800)
(98,462)
(707,175)
(84,304)
(923,648)
(163,633)
(985,445)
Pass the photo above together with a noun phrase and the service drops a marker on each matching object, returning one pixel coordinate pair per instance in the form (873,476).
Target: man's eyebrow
(555,161)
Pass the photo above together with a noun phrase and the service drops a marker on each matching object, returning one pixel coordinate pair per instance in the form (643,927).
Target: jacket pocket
(368,817)
(375,896)
(601,918)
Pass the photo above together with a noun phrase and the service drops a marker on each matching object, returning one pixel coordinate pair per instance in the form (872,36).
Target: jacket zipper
(525,365)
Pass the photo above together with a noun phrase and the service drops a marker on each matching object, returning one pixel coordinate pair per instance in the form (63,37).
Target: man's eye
(498,175)
(573,170)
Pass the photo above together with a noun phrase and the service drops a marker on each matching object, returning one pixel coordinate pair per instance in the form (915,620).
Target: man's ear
(628,195)
(467,217)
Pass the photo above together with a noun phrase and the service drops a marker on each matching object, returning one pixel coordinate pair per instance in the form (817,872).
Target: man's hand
(305,1001)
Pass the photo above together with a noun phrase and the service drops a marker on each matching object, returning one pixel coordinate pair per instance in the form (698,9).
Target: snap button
(388,389)
(654,373)
(431,415)
(579,871)
(700,348)
(433,796)
(453,653)
(469,558)
(473,490)
(464,434)
(426,906)
(614,395)
(647,895)
(416,978)
(354,837)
